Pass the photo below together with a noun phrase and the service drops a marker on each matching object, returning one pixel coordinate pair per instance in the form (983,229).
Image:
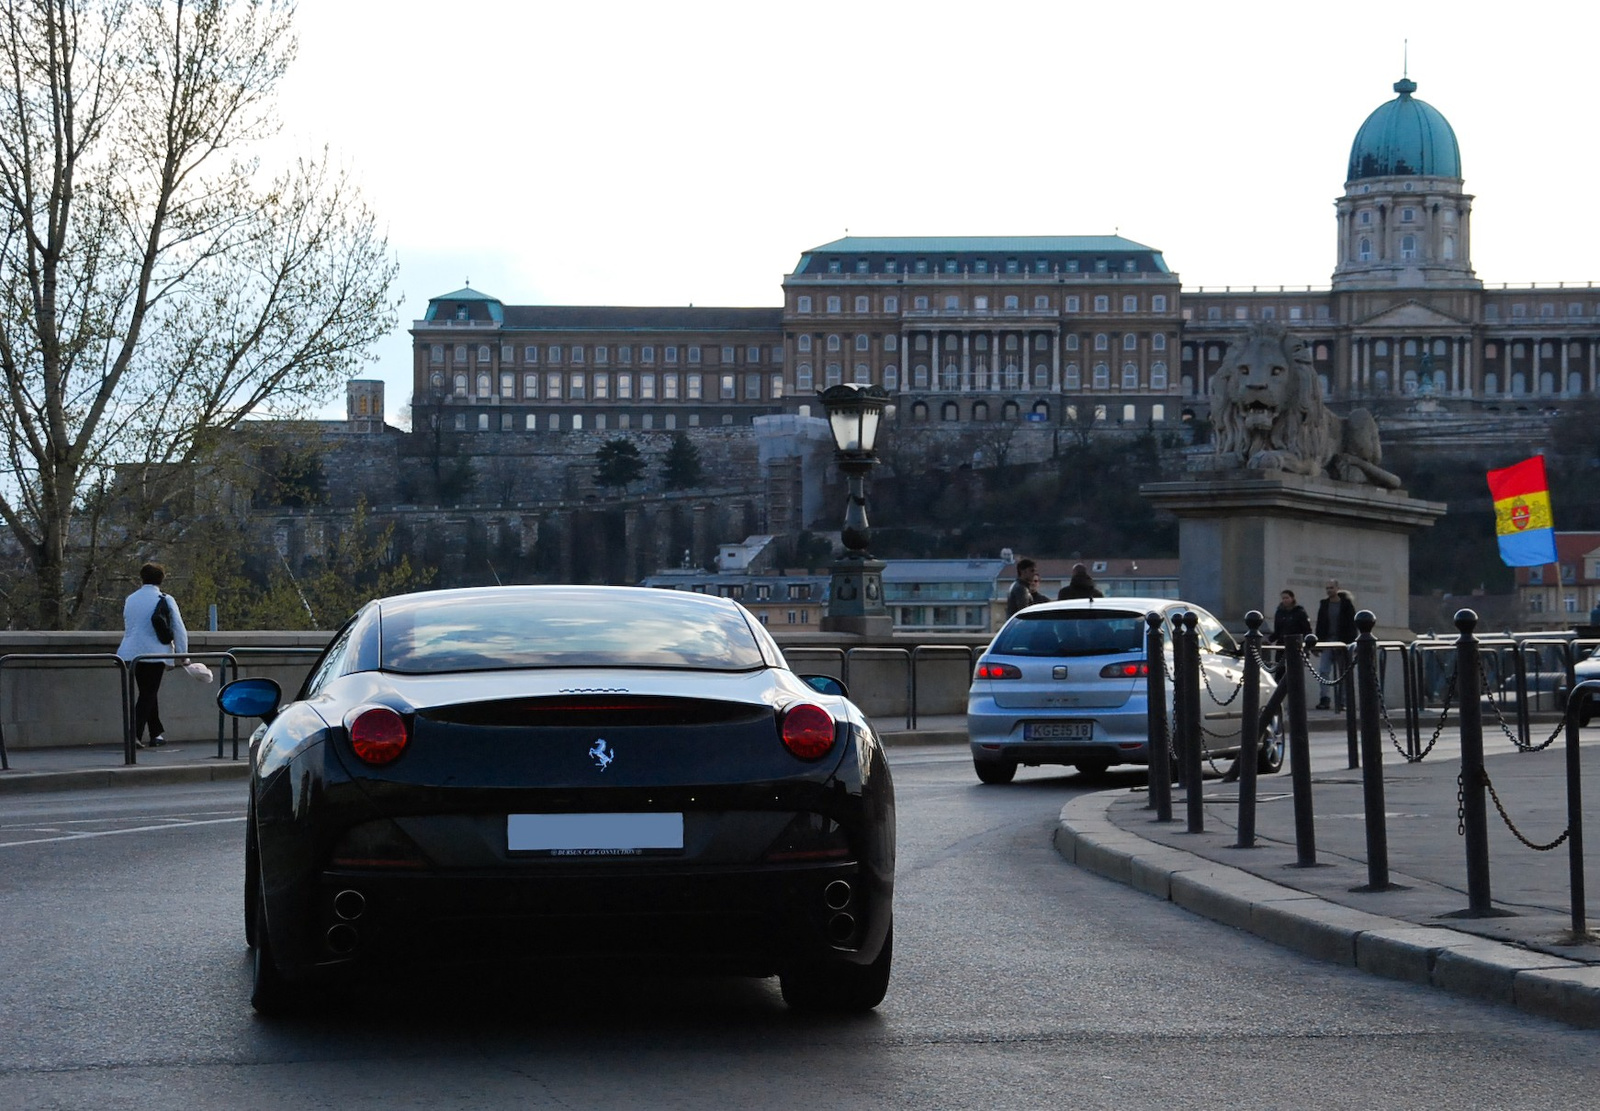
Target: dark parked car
(556,774)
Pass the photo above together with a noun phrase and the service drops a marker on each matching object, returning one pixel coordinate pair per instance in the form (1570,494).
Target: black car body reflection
(532,774)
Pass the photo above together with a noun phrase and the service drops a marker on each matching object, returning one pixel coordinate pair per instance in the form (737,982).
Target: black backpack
(161,620)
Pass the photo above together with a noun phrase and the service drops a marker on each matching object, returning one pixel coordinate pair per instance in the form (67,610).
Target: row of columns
(968,383)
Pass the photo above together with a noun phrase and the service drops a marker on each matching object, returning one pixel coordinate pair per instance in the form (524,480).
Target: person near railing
(1289,619)
(139,638)
(1336,621)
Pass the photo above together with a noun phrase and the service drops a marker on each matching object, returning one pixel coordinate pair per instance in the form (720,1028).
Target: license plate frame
(629,834)
(1058,731)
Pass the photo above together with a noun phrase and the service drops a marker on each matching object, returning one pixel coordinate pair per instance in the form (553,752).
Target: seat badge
(602,754)
(1058,672)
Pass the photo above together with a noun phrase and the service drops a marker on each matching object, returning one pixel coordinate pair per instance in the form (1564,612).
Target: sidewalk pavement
(1419,930)
(1526,956)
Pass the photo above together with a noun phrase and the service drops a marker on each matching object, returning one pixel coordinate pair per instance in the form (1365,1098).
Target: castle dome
(1405,137)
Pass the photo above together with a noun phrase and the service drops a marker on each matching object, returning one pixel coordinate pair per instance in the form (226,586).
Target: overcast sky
(687,153)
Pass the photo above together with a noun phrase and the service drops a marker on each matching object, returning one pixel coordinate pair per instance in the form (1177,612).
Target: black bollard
(1474,811)
(1180,704)
(1155,655)
(1580,926)
(1347,691)
(1249,730)
(1371,754)
(1194,777)
(1305,832)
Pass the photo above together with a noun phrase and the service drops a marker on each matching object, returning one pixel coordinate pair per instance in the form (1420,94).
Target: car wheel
(1092,768)
(271,993)
(252,879)
(995,771)
(1269,757)
(840,988)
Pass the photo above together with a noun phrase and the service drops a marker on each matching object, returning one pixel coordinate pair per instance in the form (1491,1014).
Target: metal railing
(76,658)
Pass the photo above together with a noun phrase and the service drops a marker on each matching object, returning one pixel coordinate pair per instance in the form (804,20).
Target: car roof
(1139,605)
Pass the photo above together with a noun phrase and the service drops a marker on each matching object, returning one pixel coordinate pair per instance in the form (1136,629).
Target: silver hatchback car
(1067,682)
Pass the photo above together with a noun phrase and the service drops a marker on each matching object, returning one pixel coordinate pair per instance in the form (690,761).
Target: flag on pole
(1522,518)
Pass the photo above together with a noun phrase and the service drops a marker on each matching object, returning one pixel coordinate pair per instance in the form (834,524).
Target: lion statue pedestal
(1296,496)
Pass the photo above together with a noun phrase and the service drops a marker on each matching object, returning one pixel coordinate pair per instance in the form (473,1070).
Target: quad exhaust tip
(342,939)
(841,928)
(837,895)
(349,904)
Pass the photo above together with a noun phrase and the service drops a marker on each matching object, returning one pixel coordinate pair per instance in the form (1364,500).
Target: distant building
(1560,595)
(793,600)
(1052,330)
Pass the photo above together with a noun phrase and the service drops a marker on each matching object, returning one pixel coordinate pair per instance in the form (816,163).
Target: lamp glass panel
(869,428)
(846,426)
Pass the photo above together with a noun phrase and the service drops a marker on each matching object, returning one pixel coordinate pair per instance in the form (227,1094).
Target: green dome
(1405,137)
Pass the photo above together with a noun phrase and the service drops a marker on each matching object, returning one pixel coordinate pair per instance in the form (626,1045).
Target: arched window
(1013,376)
(803,343)
(1072,343)
(833,374)
(919,376)
(1410,348)
(1010,412)
(1381,348)
(1364,251)
(949,377)
(1102,376)
(1101,342)
(1130,342)
(802,378)
(1491,383)
(980,411)
(833,343)
(1130,376)
(1519,384)
(461,385)
(949,412)
(1041,409)
(1069,377)
(919,411)
(863,343)
(1440,347)
(1408,246)
(1158,376)
(436,382)
(1041,376)
(863,375)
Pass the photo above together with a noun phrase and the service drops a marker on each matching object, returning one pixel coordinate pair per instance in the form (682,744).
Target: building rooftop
(1405,137)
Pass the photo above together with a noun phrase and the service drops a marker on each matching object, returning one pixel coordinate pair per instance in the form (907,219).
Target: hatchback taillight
(807,731)
(1138,670)
(379,735)
(989,670)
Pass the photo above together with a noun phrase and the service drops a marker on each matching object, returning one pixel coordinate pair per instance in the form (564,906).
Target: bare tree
(156,286)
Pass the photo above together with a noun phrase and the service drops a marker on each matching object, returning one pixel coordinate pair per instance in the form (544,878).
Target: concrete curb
(1548,986)
(93,779)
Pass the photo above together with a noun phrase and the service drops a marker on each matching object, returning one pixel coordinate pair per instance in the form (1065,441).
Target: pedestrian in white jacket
(139,638)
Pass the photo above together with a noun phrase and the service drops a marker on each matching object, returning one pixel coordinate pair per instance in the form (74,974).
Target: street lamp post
(855,597)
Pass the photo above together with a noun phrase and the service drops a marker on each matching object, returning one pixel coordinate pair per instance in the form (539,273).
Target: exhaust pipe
(349,904)
(342,939)
(841,928)
(837,895)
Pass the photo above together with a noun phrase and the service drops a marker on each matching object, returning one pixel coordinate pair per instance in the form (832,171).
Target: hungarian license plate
(1058,731)
(595,834)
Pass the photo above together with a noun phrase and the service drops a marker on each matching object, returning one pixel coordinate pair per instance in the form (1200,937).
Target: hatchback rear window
(556,627)
(1072,633)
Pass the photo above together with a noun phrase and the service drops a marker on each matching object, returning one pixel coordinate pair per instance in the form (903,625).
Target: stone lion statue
(1267,409)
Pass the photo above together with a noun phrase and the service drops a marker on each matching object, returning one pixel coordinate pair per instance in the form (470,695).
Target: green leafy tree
(619,463)
(681,469)
(157,285)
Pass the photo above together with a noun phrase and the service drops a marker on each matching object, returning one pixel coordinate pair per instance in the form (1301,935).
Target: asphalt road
(1019,982)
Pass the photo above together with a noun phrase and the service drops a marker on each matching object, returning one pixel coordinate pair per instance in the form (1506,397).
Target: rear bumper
(749,920)
(1120,736)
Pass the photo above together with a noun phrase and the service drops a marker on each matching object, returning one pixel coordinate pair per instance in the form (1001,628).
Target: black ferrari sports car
(516,776)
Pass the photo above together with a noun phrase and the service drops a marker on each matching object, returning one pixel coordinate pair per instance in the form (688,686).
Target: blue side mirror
(250,698)
(826,684)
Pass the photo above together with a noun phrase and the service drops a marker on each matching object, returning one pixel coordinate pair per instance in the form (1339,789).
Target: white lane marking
(193,816)
(116,832)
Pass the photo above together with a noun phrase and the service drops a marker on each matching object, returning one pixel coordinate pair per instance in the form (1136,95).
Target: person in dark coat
(1289,618)
(1025,591)
(1336,621)
(1079,586)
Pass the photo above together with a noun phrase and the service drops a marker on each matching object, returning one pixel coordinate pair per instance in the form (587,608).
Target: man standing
(1025,591)
(139,638)
(1336,621)
(1081,585)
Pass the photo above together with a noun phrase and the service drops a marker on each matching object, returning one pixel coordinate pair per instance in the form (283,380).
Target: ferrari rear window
(553,627)
(1072,633)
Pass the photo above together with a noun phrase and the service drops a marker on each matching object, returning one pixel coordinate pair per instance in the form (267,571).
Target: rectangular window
(624,387)
(577,355)
(862,305)
(1102,304)
(530,385)
(601,355)
(554,353)
(833,304)
(576,388)
(979,302)
(1158,302)
(530,355)
(577,422)
(669,387)
(777,387)
(1073,304)
(531,423)
(602,386)
(694,388)
(647,354)
(726,387)
(553,422)
(891,304)
(647,387)
(507,422)
(752,387)
(436,354)
(508,354)
(508,386)
(919,304)
(671,355)
(694,353)
(802,304)
(1130,303)
(752,354)
(552,387)
(625,355)
(727,355)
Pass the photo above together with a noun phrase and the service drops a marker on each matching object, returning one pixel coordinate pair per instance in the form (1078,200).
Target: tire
(995,771)
(840,988)
(1093,768)
(1269,756)
(271,993)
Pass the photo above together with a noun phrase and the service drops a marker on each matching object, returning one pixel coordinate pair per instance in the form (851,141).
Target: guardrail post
(1192,772)
(1474,810)
(1366,688)
(1580,927)
(1250,730)
(1305,833)
(1160,766)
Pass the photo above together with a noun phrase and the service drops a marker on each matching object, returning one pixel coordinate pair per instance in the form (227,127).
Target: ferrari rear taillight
(379,735)
(1136,670)
(989,670)
(808,731)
